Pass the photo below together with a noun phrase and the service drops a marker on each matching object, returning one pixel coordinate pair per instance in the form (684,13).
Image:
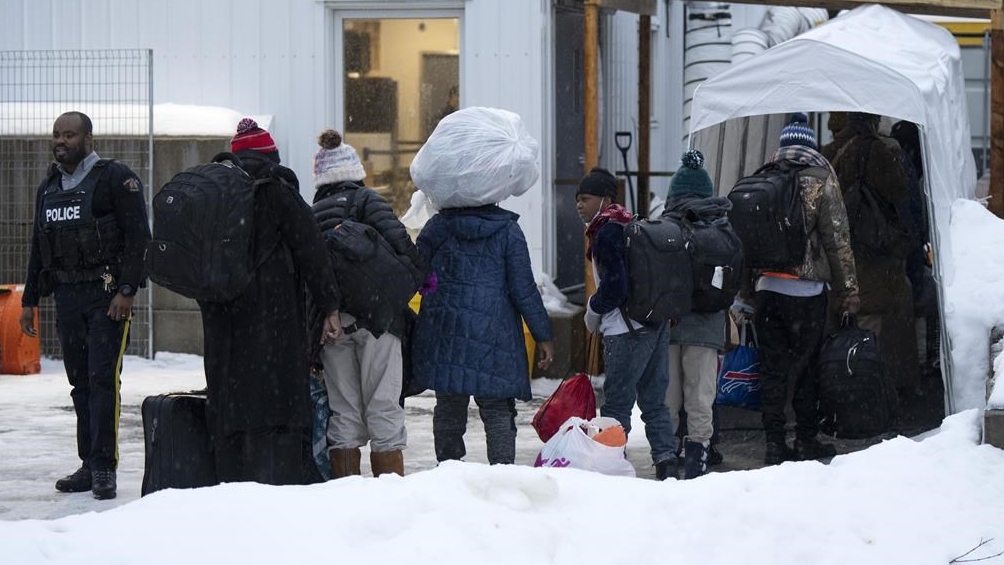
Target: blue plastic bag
(739,376)
(321,411)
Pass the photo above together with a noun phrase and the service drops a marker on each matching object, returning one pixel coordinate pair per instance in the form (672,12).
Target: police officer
(87,250)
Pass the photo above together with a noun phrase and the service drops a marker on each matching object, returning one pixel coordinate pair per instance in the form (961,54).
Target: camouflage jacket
(828,255)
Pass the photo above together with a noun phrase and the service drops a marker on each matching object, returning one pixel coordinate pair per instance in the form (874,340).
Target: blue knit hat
(798,132)
(692,178)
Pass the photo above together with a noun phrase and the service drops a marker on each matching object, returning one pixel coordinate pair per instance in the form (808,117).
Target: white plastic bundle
(476,156)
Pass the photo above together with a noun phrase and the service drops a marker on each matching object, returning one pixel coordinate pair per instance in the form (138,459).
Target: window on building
(401,76)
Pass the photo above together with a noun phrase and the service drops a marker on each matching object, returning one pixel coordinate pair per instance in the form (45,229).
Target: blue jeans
(637,370)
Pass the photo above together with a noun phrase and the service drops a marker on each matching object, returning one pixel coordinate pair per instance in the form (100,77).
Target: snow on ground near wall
(36,118)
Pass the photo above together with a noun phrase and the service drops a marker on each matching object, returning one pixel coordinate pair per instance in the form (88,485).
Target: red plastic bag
(573,397)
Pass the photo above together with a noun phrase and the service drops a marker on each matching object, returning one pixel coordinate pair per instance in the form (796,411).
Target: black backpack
(876,227)
(856,400)
(655,251)
(716,260)
(376,282)
(203,231)
(767,215)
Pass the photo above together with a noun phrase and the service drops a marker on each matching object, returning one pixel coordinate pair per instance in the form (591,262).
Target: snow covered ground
(928,500)
(902,501)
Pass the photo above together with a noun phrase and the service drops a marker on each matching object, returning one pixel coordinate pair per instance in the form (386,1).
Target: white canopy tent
(877,60)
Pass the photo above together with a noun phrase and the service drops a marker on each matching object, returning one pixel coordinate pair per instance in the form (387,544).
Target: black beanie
(599,182)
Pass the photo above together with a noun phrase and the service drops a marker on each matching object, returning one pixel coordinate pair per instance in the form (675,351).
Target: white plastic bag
(572,447)
(476,156)
(416,217)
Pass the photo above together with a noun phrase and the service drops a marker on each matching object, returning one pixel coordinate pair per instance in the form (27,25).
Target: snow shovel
(623,141)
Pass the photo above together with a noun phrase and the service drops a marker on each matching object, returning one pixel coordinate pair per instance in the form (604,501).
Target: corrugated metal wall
(255,56)
(505,64)
(620,98)
(267,57)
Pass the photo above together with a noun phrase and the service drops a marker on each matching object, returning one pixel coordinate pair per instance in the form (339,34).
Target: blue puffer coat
(469,337)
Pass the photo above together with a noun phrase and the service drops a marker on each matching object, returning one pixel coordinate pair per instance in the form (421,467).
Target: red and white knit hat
(250,136)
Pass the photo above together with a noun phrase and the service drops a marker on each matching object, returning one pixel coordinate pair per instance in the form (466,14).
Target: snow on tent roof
(35,119)
(878,60)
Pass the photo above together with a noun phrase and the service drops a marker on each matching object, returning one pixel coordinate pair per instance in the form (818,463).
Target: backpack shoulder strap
(352,211)
(819,172)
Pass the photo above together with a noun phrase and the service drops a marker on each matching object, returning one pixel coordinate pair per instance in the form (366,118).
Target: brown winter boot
(384,462)
(344,462)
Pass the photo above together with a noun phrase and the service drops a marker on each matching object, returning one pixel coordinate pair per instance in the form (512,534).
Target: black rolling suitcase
(179,450)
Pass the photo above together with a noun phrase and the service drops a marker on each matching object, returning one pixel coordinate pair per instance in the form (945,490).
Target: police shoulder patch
(132,183)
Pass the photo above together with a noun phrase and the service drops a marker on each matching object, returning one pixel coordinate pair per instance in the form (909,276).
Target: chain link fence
(114,88)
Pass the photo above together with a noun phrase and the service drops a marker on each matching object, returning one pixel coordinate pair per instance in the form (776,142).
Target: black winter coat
(256,345)
(330,208)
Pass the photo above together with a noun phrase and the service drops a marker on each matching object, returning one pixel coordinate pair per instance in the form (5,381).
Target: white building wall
(254,56)
(278,58)
(504,64)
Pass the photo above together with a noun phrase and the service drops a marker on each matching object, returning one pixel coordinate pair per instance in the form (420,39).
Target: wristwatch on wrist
(126,290)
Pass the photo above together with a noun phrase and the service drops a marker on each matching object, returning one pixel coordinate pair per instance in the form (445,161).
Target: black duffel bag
(856,400)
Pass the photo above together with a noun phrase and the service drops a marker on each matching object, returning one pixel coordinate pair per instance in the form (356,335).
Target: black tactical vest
(74,245)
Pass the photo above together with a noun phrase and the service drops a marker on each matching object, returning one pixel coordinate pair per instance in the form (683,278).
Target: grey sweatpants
(363,376)
(693,371)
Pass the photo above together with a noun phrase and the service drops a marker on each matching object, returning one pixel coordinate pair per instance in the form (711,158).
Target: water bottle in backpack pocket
(856,400)
(716,259)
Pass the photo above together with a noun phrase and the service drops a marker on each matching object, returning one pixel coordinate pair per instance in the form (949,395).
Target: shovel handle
(623,140)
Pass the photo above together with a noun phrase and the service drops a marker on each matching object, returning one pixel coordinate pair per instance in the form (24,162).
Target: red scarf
(613,212)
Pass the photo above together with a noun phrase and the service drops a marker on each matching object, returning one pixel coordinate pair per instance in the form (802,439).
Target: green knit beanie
(692,178)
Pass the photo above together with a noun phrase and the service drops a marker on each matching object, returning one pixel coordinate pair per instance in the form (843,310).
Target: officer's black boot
(78,481)
(103,484)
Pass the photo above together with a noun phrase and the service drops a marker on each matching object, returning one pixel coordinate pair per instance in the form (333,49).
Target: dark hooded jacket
(256,345)
(702,329)
(469,334)
(331,203)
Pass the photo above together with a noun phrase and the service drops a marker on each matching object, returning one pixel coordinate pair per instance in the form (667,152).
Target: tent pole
(996,114)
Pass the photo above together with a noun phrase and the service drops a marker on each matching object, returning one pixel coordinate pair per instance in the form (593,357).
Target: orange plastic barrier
(19,354)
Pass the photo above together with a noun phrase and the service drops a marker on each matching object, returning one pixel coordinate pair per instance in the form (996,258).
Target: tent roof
(871,59)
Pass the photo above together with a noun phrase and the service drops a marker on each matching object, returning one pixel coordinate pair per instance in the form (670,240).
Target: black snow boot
(667,469)
(777,453)
(695,461)
(78,481)
(807,450)
(103,484)
(714,456)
